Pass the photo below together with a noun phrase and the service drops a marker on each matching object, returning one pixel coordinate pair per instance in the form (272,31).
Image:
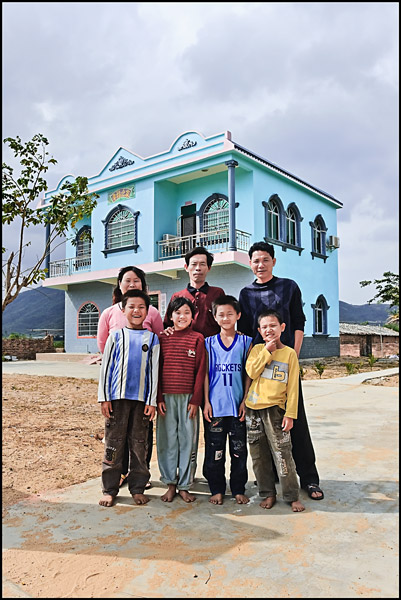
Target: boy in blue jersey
(127,392)
(226,386)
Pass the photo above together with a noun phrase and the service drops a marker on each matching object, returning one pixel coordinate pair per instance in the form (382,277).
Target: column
(232,242)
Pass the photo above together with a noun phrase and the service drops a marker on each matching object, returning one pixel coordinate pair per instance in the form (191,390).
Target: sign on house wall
(123,193)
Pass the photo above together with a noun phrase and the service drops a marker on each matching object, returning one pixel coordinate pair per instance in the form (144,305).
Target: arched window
(83,248)
(320,309)
(215,215)
(274,220)
(291,227)
(88,318)
(318,229)
(121,230)
(214,219)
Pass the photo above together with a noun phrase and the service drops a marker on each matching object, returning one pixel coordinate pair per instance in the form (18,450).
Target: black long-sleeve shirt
(280,294)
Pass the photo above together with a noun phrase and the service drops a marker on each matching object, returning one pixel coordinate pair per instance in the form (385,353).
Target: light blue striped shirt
(130,366)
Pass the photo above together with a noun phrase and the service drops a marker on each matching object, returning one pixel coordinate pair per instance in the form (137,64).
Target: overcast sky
(310,86)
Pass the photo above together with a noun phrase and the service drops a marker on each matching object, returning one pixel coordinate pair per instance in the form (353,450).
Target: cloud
(312,87)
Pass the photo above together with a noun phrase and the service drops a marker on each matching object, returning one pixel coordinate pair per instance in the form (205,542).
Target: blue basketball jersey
(227,373)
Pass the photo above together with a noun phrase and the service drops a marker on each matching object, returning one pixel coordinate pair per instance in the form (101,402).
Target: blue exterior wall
(159,201)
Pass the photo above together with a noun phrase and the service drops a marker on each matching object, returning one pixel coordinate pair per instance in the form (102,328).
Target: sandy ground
(51,427)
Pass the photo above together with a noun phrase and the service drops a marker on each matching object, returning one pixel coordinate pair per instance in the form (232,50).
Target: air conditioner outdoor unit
(334,241)
(171,240)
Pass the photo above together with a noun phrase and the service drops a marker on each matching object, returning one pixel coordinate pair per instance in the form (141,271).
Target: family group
(235,360)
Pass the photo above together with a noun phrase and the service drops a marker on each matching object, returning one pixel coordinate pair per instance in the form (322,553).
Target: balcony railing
(214,241)
(69,266)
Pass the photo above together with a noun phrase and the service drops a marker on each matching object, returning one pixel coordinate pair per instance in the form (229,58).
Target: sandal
(310,488)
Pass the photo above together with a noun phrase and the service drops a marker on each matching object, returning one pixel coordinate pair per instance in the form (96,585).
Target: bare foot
(216,499)
(170,494)
(268,502)
(186,496)
(241,499)
(297,506)
(106,500)
(140,498)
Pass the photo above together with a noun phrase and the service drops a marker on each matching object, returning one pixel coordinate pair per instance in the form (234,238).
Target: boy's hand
(106,409)
(271,346)
(208,411)
(193,410)
(150,412)
(287,424)
(168,331)
(242,411)
(161,408)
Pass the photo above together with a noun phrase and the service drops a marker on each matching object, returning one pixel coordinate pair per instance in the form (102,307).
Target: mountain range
(43,309)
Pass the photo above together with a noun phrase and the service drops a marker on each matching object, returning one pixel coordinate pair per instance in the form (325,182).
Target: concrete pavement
(62,544)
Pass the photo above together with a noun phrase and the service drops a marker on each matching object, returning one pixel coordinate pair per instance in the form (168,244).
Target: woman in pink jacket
(129,278)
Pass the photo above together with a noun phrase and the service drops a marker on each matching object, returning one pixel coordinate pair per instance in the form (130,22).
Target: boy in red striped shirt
(181,377)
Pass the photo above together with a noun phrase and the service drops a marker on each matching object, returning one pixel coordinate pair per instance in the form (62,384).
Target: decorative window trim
(98,317)
(317,255)
(318,222)
(106,221)
(215,197)
(77,238)
(281,217)
(321,300)
(282,242)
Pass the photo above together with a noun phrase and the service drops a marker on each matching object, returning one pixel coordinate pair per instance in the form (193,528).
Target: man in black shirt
(283,295)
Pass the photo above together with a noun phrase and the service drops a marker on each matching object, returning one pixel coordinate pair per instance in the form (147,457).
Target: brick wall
(363,345)
(26,349)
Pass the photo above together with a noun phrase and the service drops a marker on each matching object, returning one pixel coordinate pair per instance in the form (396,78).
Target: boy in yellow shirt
(271,407)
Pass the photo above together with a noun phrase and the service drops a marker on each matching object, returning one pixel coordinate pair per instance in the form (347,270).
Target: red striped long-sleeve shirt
(182,364)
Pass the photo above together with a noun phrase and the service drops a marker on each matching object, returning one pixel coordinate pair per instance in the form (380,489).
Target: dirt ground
(51,427)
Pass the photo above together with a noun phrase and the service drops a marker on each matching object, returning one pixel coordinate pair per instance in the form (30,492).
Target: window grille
(88,318)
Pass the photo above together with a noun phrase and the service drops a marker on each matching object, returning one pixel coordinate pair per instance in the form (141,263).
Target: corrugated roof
(357,329)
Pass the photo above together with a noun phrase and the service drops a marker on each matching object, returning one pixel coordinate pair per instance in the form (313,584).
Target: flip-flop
(313,487)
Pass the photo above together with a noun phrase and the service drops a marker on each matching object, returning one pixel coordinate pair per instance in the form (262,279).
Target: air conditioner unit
(334,241)
(172,241)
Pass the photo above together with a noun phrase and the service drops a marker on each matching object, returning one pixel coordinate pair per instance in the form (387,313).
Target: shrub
(371,361)
(58,344)
(319,368)
(351,368)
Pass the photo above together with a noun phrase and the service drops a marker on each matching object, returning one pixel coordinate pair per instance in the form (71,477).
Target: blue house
(206,191)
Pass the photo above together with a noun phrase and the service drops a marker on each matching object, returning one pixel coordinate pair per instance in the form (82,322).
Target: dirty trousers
(266,439)
(127,422)
(218,429)
(177,442)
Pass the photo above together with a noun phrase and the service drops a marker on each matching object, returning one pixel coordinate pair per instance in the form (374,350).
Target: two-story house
(201,191)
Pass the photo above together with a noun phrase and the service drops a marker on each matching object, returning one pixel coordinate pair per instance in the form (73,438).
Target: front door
(188,227)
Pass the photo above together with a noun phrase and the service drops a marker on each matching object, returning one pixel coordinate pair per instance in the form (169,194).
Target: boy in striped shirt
(127,392)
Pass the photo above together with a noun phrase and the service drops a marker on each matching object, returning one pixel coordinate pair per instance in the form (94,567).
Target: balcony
(215,241)
(69,266)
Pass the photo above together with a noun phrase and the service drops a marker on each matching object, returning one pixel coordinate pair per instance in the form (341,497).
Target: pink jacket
(113,318)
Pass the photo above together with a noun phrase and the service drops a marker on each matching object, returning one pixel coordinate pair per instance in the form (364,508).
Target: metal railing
(69,266)
(214,241)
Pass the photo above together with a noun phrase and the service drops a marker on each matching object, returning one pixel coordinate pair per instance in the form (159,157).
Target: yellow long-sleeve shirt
(275,379)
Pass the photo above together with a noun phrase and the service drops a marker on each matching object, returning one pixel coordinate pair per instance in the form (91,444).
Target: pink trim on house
(174,264)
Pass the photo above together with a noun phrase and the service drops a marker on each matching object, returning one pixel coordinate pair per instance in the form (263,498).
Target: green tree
(20,195)
(387,289)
